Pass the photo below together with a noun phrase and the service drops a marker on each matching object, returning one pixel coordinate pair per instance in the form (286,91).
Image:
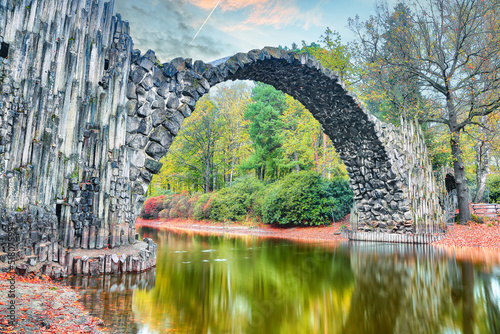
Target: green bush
(493,182)
(305,198)
(236,202)
(201,208)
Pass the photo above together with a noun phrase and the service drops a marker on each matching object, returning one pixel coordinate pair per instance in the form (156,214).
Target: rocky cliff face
(64,166)
(85,119)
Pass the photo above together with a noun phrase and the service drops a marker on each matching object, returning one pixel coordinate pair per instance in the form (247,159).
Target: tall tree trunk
(330,165)
(296,158)
(207,168)
(482,167)
(316,158)
(464,214)
(235,149)
(324,155)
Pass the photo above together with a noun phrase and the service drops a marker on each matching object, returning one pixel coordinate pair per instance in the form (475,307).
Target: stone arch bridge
(84,120)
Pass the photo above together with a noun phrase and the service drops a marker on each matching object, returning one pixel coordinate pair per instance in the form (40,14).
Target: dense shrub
(494,185)
(201,209)
(305,198)
(167,206)
(152,207)
(340,192)
(179,206)
(236,202)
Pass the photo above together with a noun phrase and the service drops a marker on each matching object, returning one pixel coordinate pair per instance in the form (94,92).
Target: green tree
(199,144)
(268,104)
(232,101)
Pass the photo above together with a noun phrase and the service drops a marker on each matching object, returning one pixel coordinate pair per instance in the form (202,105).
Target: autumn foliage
(301,198)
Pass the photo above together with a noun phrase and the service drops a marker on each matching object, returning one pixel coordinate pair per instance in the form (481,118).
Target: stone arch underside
(85,119)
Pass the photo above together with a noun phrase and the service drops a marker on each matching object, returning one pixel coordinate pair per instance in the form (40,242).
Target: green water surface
(222,284)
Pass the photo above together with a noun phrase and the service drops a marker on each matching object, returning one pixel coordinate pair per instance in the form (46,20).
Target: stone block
(145,109)
(107,266)
(145,63)
(158,103)
(131,107)
(131,91)
(145,126)
(133,124)
(85,265)
(92,237)
(101,264)
(147,82)
(42,257)
(69,262)
(158,116)
(137,158)
(94,267)
(152,165)
(139,142)
(137,75)
(162,136)
(156,151)
(77,265)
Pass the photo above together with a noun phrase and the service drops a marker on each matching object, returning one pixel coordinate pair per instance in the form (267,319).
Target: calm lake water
(221,284)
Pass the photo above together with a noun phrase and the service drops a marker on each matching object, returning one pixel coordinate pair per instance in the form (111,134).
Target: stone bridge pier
(85,119)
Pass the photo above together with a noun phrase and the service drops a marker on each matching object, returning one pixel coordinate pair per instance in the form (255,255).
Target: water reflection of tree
(279,289)
(288,288)
(492,302)
(422,294)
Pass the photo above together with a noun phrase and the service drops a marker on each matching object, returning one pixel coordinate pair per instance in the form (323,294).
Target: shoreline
(46,306)
(472,242)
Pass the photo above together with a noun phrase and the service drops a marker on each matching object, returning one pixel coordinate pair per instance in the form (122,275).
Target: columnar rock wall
(64,165)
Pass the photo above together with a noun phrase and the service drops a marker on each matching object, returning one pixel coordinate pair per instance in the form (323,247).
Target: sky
(169,26)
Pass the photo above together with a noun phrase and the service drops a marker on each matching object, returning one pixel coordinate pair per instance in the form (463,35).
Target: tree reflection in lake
(221,284)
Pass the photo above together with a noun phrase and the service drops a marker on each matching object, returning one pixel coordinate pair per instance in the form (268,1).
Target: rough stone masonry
(85,119)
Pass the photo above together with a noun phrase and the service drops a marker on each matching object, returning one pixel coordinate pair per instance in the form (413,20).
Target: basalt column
(64,165)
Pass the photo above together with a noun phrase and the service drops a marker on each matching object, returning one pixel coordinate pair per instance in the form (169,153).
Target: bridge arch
(85,120)
(160,97)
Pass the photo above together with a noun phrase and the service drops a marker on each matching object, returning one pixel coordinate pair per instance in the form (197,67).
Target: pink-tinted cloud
(230,5)
(275,13)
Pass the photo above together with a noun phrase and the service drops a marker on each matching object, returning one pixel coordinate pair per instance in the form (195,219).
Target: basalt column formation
(64,165)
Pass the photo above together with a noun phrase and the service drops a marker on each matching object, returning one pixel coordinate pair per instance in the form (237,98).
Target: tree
(453,49)
(232,102)
(298,144)
(199,143)
(387,91)
(265,125)
(332,54)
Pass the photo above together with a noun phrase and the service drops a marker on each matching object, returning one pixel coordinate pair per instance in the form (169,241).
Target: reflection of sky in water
(269,286)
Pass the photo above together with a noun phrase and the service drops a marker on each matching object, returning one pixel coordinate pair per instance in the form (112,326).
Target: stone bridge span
(384,164)
(84,120)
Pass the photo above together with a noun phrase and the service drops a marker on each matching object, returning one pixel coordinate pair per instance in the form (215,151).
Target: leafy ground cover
(45,306)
